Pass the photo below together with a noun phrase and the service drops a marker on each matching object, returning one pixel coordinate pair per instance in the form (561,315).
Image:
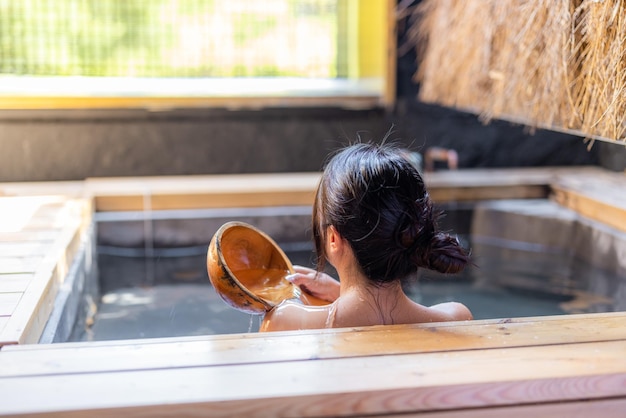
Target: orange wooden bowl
(247,269)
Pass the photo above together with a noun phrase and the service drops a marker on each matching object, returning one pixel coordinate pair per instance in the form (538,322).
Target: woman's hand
(320,285)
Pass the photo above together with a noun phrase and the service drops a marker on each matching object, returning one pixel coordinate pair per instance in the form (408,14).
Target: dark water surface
(170,295)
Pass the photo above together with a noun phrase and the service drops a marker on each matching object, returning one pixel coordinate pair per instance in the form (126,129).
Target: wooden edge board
(605,408)
(453,194)
(112,203)
(31,314)
(602,407)
(3,322)
(106,203)
(609,381)
(8,302)
(305,346)
(297,333)
(333,387)
(602,212)
(246,190)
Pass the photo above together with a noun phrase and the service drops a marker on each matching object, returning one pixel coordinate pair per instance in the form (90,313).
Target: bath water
(179,300)
(269,284)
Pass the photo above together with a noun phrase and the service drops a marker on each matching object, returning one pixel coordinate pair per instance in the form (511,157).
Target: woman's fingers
(320,285)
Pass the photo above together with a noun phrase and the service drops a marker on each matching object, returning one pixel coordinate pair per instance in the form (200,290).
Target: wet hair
(376,199)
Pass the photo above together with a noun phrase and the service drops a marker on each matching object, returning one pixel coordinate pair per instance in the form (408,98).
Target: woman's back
(353,310)
(374,222)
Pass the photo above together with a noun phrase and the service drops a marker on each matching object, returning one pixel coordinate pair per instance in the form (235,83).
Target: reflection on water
(166,310)
(179,300)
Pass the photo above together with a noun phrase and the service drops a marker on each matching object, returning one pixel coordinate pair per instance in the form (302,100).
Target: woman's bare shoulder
(448,311)
(291,315)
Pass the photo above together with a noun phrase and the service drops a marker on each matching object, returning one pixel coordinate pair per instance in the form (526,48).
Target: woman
(374,222)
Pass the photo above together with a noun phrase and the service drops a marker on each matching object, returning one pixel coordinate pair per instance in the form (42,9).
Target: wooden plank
(601,198)
(327,372)
(346,386)
(141,186)
(14,282)
(203,201)
(605,408)
(33,310)
(31,314)
(606,186)
(593,209)
(283,181)
(28,269)
(30,235)
(3,322)
(8,302)
(247,190)
(488,184)
(16,213)
(532,176)
(459,194)
(192,192)
(253,348)
(279,334)
(43,188)
(48,216)
(23,249)
(22,265)
(252,199)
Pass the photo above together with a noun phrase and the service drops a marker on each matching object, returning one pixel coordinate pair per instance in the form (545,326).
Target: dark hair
(377,200)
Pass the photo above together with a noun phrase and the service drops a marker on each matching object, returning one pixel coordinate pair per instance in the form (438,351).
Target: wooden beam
(313,344)
(461,194)
(601,197)
(194,192)
(250,190)
(403,383)
(14,282)
(605,408)
(41,272)
(8,302)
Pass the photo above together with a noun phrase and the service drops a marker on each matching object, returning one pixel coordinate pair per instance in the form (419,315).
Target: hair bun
(446,255)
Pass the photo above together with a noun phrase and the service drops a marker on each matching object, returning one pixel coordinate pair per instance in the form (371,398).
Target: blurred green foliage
(165,38)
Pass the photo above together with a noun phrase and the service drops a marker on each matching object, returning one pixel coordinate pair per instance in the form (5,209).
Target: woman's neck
(364,303)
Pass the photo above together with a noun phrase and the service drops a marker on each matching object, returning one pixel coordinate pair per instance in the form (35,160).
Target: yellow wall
(372,29)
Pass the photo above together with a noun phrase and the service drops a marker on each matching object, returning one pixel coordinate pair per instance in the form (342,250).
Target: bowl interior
(257,263)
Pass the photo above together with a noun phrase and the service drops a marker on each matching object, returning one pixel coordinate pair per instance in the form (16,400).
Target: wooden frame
(544,366)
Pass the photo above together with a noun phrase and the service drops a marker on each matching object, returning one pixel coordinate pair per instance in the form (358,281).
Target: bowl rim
(218,243)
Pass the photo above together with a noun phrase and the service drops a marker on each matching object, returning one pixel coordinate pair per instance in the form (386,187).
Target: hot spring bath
(153,282)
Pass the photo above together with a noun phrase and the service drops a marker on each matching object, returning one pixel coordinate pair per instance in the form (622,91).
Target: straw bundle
(553,64)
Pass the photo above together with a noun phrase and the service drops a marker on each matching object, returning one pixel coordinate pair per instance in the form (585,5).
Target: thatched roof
(552,64)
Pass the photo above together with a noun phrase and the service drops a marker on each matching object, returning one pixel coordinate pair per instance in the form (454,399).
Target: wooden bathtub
(571,365)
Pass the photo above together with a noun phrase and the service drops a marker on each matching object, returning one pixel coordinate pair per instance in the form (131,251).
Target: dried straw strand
(558,65)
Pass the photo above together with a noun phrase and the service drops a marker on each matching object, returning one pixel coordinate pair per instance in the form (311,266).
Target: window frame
(371,33)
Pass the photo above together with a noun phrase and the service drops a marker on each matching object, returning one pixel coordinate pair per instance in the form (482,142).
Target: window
(195,53)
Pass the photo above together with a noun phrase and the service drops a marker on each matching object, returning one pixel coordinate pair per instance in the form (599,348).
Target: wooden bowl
(247,269)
